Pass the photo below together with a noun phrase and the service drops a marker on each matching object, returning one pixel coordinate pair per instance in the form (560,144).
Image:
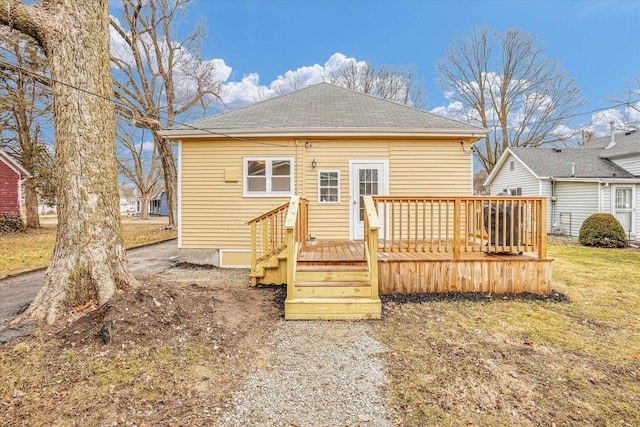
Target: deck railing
(269,234)
(371,229)
(462,224)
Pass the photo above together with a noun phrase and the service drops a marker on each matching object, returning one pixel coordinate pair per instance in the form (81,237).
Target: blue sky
(255,43)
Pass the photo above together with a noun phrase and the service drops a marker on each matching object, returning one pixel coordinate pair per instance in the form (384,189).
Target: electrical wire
(126,108)
(134,117)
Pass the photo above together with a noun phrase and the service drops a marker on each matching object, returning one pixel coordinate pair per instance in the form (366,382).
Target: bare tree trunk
(31,204)
(144,206)
(89,261)
(170,177)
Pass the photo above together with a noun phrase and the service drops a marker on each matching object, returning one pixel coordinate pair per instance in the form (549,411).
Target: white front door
(365,178)
(624,208)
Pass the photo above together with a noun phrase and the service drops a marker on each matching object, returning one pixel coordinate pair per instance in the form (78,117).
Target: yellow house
(327,144)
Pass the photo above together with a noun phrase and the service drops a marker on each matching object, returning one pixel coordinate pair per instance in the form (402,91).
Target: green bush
(11,224)
(602,230)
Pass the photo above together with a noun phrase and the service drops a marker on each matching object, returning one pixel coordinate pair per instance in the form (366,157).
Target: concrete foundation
(200,256)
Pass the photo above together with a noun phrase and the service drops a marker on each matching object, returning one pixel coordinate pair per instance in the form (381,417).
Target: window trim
(268,176)
(518,191)
(320,187)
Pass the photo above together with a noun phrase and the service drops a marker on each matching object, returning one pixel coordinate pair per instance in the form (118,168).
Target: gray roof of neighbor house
(625,143)
(556,162)
(324,109)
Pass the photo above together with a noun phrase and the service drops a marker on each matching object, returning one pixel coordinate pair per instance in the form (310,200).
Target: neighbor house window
(514,191)
(268,176)
(329,186)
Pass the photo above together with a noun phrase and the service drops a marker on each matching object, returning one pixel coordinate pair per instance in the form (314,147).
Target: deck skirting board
(471,275)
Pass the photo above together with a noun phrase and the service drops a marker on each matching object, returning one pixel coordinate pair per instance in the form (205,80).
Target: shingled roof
(324,109)
(559,163)
(625,143)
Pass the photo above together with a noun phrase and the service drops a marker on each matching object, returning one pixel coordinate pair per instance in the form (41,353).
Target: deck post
(456,228)
(542,229)
(372,225)
(290,226)
(254,255)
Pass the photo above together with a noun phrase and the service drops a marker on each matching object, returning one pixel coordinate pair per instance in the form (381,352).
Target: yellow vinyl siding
(429,168)
(331,221)
(214,212)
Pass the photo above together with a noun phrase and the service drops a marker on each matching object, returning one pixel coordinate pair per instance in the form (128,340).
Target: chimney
(613,136)
(573,169)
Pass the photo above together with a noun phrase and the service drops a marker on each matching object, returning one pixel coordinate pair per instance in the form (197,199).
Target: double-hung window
(329,186)
(268,176)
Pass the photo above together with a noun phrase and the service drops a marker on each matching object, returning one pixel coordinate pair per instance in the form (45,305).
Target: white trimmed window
(328,186)
(514,191)
(268,176)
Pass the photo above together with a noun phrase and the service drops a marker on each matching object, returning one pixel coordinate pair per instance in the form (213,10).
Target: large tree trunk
(89,260)
(144,206)
(170,176)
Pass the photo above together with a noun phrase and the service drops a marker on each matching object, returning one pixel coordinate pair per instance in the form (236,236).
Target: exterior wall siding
(9,191)
(214,213)
(580,199)
(630,163)
(518,177)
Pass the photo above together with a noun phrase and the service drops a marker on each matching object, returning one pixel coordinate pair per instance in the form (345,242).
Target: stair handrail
(371,227)
(296,226)
(268,234)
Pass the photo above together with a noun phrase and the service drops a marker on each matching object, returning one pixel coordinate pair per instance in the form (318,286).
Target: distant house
(11,176)
(601,176)
(157,205)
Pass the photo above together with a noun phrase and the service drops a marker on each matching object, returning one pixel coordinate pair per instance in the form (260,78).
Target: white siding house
(601,176)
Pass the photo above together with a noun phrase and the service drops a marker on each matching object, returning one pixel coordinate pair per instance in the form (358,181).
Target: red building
(11,173)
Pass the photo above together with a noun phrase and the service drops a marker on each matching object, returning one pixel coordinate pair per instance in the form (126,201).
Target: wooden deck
(404,272)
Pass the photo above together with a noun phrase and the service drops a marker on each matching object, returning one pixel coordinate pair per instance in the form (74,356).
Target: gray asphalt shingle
(558,163)
(325,106)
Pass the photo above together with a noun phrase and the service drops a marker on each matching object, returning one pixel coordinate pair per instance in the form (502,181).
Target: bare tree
(89,261)
(159,78)
(503,82)
(25,107)
(398,84)
(140,163)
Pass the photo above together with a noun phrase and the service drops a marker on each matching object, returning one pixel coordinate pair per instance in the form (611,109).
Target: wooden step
(331,273)
(332,276)
(332,289)
(346,308)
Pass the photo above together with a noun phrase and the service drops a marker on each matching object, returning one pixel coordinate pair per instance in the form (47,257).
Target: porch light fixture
(313,163)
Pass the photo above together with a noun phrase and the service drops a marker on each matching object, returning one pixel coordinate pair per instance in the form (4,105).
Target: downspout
(553,202)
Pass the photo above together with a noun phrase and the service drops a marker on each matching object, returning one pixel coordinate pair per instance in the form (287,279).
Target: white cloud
(147,146)
(249,90)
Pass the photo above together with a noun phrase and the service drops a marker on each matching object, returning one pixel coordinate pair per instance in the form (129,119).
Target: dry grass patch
(506,362)
(32,249)
(173,354)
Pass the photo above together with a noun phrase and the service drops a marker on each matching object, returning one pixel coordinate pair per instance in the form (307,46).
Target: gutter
(309,132)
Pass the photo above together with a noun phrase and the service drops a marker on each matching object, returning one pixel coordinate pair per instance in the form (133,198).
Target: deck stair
(332,290)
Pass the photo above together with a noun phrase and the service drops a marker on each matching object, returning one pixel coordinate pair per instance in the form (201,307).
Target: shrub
(602,230)
(11,224)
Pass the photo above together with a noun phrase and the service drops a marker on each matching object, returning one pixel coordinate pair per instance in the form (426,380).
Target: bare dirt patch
(169,352)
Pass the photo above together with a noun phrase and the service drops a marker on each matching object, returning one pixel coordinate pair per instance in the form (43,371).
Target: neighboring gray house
(601,176)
